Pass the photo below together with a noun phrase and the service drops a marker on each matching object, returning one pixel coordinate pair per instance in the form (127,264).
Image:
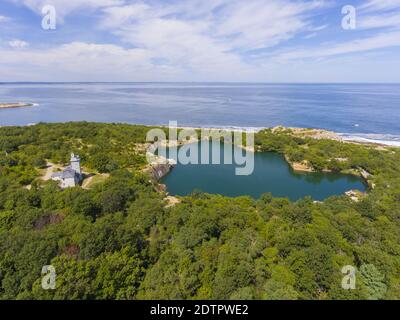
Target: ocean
(367,112)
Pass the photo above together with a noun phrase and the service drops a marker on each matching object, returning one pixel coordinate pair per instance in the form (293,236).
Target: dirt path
(87,182)
(48,172)
(50,168)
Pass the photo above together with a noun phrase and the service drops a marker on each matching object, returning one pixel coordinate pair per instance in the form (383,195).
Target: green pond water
(271,174)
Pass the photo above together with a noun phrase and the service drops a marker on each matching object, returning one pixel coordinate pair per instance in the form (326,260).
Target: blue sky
(200,40)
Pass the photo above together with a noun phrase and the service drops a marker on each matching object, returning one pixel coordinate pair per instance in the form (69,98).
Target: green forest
(119,239)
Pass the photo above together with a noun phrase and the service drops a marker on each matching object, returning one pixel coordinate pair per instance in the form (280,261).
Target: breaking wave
(386,139)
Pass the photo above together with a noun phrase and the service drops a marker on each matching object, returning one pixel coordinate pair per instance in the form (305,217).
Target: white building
(71,176)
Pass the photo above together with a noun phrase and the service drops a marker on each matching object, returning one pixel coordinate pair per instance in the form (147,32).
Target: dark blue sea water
(369,111)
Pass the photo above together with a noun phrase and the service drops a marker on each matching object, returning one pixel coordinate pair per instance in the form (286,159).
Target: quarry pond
(271,174)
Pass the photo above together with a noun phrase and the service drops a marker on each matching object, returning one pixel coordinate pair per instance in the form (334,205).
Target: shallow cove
(271,174)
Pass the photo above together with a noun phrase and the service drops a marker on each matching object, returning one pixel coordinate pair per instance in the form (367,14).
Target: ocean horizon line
(200,82)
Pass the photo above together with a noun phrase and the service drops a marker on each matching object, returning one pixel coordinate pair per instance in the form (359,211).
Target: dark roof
(68,173)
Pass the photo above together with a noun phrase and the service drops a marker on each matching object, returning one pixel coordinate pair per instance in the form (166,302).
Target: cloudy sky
(200,40)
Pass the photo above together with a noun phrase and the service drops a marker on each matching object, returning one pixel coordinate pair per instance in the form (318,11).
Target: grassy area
(91,181)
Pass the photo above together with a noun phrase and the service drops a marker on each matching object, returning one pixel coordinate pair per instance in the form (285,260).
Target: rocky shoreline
(159,169)
(300,132)
(158,166)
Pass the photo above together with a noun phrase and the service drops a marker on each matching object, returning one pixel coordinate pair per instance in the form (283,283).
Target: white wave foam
(236,128)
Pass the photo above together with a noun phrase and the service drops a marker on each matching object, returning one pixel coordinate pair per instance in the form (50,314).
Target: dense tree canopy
(119,240)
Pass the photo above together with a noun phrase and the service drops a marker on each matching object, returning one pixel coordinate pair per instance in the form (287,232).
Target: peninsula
(14,105)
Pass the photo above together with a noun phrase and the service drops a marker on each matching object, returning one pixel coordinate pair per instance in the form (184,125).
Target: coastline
(315,133)
(372,139)
(365,138)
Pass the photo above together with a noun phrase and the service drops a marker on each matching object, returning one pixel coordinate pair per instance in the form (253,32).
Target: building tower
(76,163)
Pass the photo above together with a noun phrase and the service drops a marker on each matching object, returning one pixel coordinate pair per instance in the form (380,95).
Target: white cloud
(259,24)
(4,19)
(379,14)
(119,16)
(202,39)
(196,40)
(380,21)
(380,5)
(18,44)
(242,25)
(384,40)
(65,7)
(204,36)
(310,35)
(93,62)
(79,61)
